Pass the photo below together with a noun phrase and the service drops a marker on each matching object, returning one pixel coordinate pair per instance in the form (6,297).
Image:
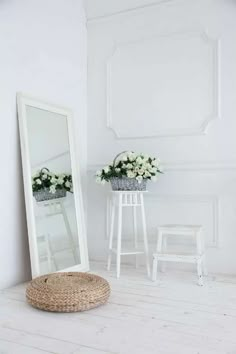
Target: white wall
(43,53)
(162,80)
(102,8)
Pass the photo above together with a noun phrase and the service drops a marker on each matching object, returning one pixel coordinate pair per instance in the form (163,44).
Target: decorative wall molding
(186,166)
(201,166)
(211,200)
(125,11)
(202,127)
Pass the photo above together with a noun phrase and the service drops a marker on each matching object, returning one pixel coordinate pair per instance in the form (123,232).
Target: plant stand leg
(154,269)
(111,235)
(145,235)
(135,235)
(119,237)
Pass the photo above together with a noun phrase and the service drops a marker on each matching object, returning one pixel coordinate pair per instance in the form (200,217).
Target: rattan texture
(67,292)
(45,194)
(127,184)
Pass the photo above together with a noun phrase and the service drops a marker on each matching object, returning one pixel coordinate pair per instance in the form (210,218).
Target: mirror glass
(52,192)
(52,187)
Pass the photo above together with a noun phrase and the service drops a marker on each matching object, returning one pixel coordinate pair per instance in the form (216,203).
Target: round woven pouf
(67,292)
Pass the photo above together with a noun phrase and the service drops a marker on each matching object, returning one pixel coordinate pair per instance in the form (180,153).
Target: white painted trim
(203,128)
(23,101)
(133,10)
(186,166)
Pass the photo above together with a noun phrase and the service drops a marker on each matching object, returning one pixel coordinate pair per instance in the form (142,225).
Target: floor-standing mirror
(53,196)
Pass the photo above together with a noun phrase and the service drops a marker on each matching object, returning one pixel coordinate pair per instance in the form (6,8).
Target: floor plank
(166,317)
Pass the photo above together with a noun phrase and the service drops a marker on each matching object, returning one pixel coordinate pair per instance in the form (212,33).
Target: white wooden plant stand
(120,200)
(198,257)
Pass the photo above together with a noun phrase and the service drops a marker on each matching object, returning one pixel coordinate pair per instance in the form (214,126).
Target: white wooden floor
(173,316)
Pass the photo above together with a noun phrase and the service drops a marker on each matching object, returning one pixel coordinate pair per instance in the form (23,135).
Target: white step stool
(162,254)
(120,200)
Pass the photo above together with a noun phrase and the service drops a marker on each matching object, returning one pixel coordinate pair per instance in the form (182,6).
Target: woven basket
(45,194)
(67,292)
(127,184)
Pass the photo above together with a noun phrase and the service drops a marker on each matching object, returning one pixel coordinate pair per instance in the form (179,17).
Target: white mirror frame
(23,101)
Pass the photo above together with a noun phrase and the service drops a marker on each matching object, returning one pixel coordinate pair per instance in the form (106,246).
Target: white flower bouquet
(130,171)
(48,185)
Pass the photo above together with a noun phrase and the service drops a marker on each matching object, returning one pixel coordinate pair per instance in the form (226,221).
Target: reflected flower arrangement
(52,182)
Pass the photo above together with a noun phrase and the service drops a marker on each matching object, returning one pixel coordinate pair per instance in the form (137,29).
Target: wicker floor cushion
(67,292)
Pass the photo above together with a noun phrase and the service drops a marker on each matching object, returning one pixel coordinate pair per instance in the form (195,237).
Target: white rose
(44,176)
(131,156)
(124,158)
(153,170)
(117,169)
(60,180)
(106,169)
(67,184)
(141,171)
(38,181)
(53,180)
(153,178)
(144,166)
(130,174)
(98,179)
(148,166)
(139,160)
(98,173)
(129,166)
(139,179)
(103,181)
(147,174)
(52,189)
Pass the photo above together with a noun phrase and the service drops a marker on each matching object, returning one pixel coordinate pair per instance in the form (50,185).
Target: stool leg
(199,272)
(135,234)
(145,235)
(119,237)
(200,251)
(203,250)
(154,269)
(164,248)
(160,238)
(205,271)
(111,236)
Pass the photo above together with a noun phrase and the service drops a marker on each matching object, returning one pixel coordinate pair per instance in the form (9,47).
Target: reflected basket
(127,184)
(45,194)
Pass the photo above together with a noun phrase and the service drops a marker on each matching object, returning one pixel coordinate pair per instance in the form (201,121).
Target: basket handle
(42,169)
(118,155)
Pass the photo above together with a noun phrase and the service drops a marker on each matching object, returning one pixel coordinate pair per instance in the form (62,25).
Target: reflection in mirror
(52,191)
(52,187)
